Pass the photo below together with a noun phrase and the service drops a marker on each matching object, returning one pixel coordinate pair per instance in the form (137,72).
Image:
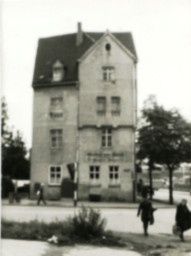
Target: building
(85,112)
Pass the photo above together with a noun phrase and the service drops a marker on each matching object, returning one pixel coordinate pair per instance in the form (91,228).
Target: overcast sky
(162,36)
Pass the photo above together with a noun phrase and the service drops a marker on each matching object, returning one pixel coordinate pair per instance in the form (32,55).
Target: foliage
(15,163)
(35,230)
(88,224)
(6,186)
(164,138)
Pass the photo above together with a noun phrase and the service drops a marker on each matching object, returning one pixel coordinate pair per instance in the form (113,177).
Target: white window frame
(106,137)
(94,174)
(58,138)
(57,71)
(114,175)
(55,182)
(108,74)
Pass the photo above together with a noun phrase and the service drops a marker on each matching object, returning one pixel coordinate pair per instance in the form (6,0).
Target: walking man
(40,194)
(145,209)
(183,218)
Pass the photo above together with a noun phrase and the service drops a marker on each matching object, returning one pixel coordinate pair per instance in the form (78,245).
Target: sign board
(106,157)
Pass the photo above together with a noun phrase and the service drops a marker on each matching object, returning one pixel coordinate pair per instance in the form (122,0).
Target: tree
(164,138)
(15,163)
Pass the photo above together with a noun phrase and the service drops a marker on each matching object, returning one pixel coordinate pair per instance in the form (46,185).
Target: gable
(64,48)
(108,37)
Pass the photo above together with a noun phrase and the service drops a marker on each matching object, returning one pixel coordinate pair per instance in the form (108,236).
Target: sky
(162,35)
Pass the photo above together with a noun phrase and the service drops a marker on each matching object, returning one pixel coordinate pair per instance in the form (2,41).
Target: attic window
(108,74)
(57,71)
(108,47)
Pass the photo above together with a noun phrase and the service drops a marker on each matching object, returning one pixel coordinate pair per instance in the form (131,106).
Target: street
(163,195)
(123,220)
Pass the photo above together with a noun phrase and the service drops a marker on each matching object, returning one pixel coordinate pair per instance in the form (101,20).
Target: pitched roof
(64,48)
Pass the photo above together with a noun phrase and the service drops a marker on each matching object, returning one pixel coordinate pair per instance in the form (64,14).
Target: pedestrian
(183,218)
(40,194)
(146,211)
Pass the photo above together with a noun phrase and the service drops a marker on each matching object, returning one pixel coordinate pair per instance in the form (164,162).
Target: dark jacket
(145,208)
(183,217)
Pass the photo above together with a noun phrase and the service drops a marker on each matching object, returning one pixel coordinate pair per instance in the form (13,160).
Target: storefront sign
(106,157)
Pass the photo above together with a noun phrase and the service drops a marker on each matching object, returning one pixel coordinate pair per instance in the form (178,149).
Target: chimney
(79,35)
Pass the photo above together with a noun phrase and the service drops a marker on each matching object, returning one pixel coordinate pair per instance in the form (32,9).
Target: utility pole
(75,184)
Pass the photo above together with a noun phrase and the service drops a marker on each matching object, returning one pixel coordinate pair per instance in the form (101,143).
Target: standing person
(40,194)
(183,218)
(145,208)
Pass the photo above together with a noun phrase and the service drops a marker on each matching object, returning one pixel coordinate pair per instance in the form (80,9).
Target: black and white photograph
(95,127)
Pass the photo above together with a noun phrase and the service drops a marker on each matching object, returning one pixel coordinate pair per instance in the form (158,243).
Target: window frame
(114,171)
(57,71)
(108,74)
(103,104)
(56,109)
(58,142)
(106,137)
(58,182)
(95,179)
(115,111)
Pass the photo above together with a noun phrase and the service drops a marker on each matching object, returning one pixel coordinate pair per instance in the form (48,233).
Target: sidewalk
(32,248)
(102,205)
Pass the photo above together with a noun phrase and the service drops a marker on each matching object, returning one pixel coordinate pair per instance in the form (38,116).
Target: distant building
(84,112)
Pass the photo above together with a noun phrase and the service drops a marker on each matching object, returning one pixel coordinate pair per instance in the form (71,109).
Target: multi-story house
(85,112)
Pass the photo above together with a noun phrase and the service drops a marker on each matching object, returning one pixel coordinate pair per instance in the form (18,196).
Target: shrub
(7,187)
(88,224)
(35,230)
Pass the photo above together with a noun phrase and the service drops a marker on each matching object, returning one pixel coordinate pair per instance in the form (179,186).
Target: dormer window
(57,71)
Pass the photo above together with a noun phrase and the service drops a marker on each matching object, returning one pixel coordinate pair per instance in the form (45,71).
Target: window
(55,175)
(56,138)
(115,103)
(94,173)
(108,74)
(106,137)
(57,71)
(56,107)
(108,47)
(114,174)
(101,105)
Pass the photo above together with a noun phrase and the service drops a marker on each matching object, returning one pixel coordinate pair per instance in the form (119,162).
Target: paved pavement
(31,248)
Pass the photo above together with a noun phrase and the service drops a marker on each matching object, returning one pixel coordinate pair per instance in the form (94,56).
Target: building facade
(85,113)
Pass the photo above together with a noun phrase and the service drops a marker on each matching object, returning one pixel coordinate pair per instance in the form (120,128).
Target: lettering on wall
(107,156)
